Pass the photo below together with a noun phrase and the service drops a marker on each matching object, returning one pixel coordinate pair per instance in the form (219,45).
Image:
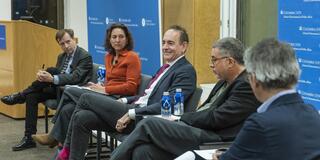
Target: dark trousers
(93,112)
(64,112)
(36,93)
(156,138)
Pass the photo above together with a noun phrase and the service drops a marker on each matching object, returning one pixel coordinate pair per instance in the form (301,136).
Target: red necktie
(155,77)
(160,71)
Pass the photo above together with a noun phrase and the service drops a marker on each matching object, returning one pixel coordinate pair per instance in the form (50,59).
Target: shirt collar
(172,63)
(265,105)
(71,56)
(124,53)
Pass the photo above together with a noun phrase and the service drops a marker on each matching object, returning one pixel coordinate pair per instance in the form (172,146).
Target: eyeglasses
(214,60)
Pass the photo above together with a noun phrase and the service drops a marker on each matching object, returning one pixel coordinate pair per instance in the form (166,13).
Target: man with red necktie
(98,112)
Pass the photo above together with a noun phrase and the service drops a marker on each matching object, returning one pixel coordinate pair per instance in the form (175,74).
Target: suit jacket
(227,114)
(80,68)
(289,129)
(180,75)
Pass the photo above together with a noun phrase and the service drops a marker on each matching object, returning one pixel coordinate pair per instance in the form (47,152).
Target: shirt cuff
(132,114)
(124,100)
(55,79)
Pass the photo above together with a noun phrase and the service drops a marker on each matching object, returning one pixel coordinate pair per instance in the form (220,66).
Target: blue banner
(299,25)
(2,37)
(142,18)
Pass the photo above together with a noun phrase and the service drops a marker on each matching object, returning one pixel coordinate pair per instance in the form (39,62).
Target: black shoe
(13,99)
(25,143)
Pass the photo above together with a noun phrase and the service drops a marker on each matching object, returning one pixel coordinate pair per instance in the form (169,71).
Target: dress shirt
(265,105)
(143,101)
(68,70)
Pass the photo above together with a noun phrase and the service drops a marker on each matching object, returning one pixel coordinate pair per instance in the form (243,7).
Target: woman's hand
(96,87)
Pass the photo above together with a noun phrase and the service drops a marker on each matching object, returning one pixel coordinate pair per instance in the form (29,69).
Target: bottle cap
(178,90)
(165,93)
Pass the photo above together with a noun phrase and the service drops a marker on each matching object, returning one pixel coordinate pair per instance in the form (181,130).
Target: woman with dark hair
(122,64)
(123,69)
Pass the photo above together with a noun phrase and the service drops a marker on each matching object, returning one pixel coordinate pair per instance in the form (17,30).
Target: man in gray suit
(74,66)
(219,118)
(103,113)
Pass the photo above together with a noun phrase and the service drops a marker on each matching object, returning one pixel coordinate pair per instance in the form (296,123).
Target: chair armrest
(215,145)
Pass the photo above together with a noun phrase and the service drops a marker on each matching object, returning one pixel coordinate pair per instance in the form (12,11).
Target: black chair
(52,104)
(216,145)
(193,101)
(145,79)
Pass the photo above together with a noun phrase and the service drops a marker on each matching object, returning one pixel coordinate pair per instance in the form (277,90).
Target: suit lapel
(213,92)
(222,97)
(75,59)
(171,69)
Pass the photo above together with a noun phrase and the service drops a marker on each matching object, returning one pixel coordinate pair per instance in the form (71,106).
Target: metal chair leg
(46,113)
(99,141)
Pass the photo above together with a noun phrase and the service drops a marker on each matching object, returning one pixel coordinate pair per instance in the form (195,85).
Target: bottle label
(178,104)
(101,75)
(166,107)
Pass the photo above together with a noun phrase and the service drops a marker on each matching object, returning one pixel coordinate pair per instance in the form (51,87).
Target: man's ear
(185,46)
(231,62)
(254,81)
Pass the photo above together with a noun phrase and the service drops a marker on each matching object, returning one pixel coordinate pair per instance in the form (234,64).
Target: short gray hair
(232,47)
(274,64)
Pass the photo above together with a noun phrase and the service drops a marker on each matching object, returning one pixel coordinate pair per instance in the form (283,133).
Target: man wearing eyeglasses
(284,127)
(74,66)
(219,118)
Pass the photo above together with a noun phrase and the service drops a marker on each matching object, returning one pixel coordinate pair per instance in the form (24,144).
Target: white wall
(75,17)
(5,9)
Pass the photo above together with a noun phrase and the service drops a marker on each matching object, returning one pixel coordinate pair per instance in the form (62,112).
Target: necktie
(155,77)
(65,64)
(160,71)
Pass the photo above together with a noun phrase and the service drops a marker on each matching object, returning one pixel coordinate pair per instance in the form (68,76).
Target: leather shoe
(13,99)
(25,143)
(45,139)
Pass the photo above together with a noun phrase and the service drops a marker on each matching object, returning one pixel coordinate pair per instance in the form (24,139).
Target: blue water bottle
(166,105)
(178,102)
(101,75)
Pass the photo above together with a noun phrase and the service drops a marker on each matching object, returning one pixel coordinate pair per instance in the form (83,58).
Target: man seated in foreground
(220,117)
(284,127)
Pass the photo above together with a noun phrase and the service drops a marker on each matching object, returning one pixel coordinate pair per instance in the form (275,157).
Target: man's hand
(216,155)
(121,100)
(44,76)
(123,122)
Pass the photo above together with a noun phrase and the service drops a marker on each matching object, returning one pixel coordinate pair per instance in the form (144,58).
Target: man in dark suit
(219,118)
(284,127)
(74,66)
(101,112)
